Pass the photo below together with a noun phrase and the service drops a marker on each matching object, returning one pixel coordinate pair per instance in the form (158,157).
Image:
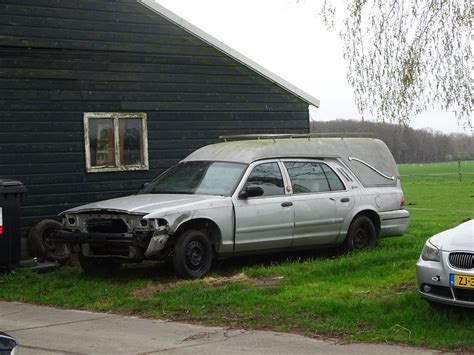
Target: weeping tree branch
(405,56)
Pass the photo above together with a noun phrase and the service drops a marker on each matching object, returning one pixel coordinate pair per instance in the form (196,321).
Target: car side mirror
(251,191)
(143,188)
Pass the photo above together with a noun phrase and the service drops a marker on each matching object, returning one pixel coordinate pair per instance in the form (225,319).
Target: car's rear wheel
(94,266)
(192,257)
(361,234)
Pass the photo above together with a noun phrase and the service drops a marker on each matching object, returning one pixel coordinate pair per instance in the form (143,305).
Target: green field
(369,296)
(451,168)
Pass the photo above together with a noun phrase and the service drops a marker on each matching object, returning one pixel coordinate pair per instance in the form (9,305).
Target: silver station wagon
(275,193)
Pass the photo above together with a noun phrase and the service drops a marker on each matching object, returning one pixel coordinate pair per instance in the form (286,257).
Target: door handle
(287,204)
(345,199)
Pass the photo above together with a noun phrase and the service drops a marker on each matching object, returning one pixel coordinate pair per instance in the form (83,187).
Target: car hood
(144,204)
(458,238)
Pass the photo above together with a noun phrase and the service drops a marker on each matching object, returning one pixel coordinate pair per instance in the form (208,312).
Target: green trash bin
(11,195)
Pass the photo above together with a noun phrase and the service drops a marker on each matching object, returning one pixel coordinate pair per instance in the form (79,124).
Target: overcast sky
(289,39)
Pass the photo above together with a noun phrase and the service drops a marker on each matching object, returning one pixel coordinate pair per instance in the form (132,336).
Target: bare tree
(407,55)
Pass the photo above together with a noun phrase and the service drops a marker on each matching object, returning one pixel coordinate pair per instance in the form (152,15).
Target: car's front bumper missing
(96,238)
(122,245)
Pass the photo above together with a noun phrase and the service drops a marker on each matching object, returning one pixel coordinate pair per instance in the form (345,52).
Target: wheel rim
(361,238)
(51,245)
(196,255)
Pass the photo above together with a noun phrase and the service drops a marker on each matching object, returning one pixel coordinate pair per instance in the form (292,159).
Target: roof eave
(214,42)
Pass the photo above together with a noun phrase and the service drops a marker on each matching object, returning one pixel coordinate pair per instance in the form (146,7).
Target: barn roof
(195,31)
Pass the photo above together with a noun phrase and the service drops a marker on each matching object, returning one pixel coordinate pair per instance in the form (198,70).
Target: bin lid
(11,186)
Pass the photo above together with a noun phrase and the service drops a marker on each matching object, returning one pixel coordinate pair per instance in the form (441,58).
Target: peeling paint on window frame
(115,116)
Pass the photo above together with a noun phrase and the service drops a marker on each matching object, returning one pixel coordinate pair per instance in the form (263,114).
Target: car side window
(335,182)
(268,177)
(307,177)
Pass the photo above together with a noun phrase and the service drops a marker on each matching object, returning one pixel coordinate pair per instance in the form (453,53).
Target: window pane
(101,139)
(131,141)
(334,182)
(307,177)
(268,177)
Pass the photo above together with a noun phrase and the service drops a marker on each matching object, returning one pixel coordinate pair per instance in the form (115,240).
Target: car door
(264,222)
(341,194)
(316,202)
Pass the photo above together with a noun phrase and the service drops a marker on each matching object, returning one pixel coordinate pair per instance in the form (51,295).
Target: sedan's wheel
(192,255)
(361,234)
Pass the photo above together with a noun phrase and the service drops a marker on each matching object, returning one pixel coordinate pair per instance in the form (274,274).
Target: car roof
(377,167)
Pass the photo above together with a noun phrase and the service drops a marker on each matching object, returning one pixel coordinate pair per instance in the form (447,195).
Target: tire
(192,257)
(95,266)
(43,246)
(361,234)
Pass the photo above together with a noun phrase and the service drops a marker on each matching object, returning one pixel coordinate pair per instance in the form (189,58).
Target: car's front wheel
(192,257)
(361,234)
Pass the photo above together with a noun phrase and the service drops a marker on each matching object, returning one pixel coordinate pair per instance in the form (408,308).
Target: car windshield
(198,177)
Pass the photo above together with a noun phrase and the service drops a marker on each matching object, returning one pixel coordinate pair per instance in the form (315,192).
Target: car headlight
(430,252)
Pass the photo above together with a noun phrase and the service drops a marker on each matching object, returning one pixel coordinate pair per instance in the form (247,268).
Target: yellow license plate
(461,281)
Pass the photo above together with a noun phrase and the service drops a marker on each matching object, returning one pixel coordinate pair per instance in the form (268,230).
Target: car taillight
(402,203)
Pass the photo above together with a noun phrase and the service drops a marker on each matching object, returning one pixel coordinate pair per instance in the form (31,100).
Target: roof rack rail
(298,135)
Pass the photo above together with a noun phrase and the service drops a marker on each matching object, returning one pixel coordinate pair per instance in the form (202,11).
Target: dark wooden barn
(99,96)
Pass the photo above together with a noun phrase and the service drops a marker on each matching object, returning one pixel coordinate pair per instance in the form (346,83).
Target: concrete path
(46,330)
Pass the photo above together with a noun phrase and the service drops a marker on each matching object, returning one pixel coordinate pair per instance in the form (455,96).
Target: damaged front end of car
(116,235)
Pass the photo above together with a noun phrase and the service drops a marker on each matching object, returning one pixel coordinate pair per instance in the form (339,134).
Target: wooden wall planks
(61,58)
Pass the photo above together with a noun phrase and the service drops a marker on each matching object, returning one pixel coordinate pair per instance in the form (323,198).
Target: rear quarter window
(335,182)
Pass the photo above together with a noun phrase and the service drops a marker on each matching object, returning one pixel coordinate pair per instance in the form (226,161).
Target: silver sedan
(445,270)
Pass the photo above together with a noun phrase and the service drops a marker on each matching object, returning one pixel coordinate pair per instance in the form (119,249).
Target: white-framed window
(115,141)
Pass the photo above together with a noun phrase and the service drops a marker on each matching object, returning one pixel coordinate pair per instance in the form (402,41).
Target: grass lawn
(368,296)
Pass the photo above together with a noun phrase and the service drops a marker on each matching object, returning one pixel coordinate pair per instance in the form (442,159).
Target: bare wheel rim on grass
(361,234)
(192,254)
(43,244)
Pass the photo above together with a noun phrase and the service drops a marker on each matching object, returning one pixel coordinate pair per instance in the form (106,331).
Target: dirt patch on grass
(163,283)
(150,290)
(402,288)
(266,281)
(211,281)
(242,278)
(217,281)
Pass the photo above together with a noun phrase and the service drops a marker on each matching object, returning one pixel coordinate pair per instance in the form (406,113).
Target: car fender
(222,216)
(350,217)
